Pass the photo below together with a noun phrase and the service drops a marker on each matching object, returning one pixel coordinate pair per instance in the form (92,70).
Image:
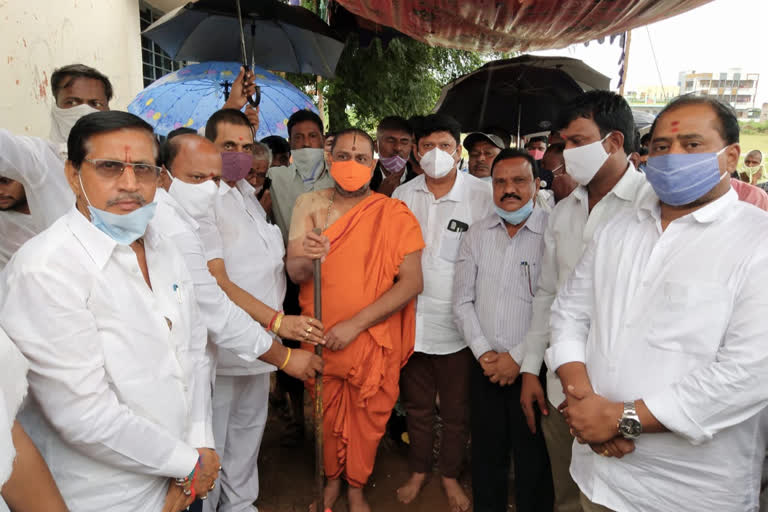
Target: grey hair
(261,150)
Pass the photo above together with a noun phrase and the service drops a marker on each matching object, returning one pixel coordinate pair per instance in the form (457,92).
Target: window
(155,62)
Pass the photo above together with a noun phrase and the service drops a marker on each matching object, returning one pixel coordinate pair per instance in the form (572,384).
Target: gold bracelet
(278,323)
(287,358)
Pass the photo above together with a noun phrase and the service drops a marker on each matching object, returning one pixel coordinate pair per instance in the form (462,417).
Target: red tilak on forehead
(239,138)
(127,153)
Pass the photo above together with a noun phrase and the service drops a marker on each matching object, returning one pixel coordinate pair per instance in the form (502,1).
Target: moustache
(514,196)
(135,196)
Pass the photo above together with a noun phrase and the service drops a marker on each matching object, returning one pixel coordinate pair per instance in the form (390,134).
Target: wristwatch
(629,423)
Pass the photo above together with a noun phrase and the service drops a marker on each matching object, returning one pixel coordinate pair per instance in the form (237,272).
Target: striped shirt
(495,281)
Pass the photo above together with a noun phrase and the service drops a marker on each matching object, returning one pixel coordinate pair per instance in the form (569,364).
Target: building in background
(734,87)
(42,35)
(651,99)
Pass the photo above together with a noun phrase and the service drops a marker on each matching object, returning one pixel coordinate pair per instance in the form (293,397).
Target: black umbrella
(277,36)
(521,95)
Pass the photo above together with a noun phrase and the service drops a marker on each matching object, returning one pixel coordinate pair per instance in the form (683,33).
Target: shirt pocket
(449,245)
(690,318)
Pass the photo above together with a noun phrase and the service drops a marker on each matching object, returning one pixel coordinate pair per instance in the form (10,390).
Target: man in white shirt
(103,308)
(445,202)
(195,166)
(496,275)
(37,165)
(597,128)
(250,269)
(658,337)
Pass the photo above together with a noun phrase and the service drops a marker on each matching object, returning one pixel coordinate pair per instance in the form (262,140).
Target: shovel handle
(319,484)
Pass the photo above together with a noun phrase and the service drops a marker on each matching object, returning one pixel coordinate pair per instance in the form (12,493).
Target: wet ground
(287,482)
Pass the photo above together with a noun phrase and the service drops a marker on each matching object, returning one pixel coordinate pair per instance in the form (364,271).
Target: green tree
(402,79)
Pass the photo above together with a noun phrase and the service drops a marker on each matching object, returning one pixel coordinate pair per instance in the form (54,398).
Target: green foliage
(754,128)
(402,79)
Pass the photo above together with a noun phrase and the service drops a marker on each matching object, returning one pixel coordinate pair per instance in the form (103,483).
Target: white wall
(37,36)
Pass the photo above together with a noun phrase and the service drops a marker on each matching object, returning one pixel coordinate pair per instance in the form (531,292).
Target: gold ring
(306,334)
(213,485)
(309,330)
(605,453)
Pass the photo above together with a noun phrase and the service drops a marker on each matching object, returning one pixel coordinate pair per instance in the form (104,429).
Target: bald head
(193,159)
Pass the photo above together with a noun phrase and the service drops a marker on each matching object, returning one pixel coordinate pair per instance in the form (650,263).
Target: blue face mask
(123,229)
(680,179)
(518,216)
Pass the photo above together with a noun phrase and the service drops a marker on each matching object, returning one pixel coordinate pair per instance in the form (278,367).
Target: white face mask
(437,163)
(308,161)
(63,119)
(196,199)
(582,163)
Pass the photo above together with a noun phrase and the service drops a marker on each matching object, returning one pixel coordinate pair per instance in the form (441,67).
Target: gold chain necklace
(328,215)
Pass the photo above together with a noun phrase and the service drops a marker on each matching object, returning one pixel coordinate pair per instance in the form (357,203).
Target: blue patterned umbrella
(189,96)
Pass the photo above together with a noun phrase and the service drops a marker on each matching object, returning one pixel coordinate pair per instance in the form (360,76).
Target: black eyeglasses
(113,169)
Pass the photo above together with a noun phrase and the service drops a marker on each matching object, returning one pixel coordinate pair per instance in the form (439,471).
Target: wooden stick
(320,488)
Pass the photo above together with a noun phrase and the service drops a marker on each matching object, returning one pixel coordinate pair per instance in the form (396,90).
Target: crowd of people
(585,308)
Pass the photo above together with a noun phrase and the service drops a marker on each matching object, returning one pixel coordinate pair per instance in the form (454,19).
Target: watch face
(630,428)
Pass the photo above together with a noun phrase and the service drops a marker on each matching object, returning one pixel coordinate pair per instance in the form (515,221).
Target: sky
(719,35)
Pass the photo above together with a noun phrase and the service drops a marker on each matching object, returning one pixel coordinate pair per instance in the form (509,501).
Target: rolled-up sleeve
(734,387)
(537,338)
(48,319)
(464,296)
(572,313)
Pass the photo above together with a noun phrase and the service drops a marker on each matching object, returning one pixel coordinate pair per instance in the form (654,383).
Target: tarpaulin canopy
(507,25)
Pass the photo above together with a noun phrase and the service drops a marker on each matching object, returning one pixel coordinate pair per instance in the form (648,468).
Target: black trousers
(498,426)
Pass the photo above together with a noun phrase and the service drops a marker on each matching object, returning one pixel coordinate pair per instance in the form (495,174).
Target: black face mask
(547,177)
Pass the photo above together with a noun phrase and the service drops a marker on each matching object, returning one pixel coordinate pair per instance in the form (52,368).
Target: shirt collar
(625,188)
(457,190)
(651,207)
(536,221)
(98,244)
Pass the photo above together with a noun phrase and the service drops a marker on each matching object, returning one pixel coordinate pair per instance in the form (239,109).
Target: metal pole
(319,484)
(626,63)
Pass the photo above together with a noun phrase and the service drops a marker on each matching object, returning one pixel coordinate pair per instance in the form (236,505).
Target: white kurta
(118,371)
(253,253)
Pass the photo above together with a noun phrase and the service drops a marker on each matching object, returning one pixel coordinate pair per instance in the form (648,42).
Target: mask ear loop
(85,194)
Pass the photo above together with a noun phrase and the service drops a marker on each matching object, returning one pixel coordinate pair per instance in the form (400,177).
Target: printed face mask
(394,163)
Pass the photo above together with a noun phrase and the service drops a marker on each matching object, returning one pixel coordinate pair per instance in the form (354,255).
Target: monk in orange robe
(371,273)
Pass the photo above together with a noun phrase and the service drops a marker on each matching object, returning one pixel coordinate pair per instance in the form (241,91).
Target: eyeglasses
(113,169)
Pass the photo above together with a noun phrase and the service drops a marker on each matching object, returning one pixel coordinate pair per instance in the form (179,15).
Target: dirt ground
(287,477)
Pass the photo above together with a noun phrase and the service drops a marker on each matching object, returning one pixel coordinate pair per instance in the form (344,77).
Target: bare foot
(457,498)
(330,495)
(408,492)
(357,501)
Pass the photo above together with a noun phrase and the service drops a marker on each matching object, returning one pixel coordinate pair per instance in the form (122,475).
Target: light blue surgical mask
(682,178)
(123,229)
(518,216)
